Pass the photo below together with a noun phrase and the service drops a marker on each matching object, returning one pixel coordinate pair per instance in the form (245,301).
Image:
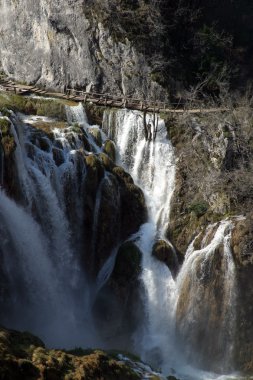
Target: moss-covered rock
(106,220)
(122,175)
(6,138)
(23,356)
(118,307)
(58,156)
(95,171)
(107,162)
(94,113)
(110,149)
(96,134)
(133,206)
(7,150)
(128,264)
(31,106)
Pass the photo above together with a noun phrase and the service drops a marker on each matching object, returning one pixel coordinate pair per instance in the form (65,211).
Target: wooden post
(145,125)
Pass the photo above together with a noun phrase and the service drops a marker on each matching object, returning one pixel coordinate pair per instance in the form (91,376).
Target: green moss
(198,208)
(122,175)
(4,126)
(48,127)
(96,133)
(107,162)
(24,356)
(110,150)
(76,128)
(6,139)
(30,106)
(5,112)
(95,172)
(94,113)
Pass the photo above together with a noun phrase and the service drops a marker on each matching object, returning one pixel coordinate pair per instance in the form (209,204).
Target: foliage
(31,106)
(6,139)
(185,42)
(25,356)
(199,208)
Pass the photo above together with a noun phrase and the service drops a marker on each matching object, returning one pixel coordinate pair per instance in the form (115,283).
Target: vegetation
(6,139)
(199,208)
(24,356)
(32,106)
(204,42)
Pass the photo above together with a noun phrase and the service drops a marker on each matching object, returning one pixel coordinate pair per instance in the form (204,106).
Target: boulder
(118,307)
(24,356)
(110,149)
(133,206)
(166,253)
(96,134)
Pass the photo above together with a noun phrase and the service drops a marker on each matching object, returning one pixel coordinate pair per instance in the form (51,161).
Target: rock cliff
(214,182)
(61,44)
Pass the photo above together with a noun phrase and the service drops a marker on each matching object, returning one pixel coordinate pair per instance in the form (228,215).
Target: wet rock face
(7,150)
(133,207)
(206,308)
(164,252)
(114,208)
(242,238)
(110,149)
(58,45)
(111,206)
(118,307)
(213,177)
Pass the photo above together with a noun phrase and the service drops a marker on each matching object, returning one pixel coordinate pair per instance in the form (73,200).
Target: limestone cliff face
(214,182)
(54,43)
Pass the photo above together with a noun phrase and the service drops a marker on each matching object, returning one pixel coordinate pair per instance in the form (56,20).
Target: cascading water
(48,287)
(206,290)
(152,165)
(46,237)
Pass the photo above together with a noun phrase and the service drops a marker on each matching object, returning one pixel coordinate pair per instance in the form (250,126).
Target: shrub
(198,208)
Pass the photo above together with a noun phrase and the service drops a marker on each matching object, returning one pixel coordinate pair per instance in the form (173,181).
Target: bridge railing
(127,100)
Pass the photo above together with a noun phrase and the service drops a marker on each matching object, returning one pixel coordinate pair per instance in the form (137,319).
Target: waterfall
(76,115)
(49,291)
(48,284)
(206,289)
(152,165)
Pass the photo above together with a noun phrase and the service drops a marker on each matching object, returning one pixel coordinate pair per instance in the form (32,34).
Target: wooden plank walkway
(103,99)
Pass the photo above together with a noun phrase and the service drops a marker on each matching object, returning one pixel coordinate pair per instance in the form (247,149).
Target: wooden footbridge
(103,99)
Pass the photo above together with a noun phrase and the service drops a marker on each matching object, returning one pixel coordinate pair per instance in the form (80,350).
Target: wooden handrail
(104,99)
